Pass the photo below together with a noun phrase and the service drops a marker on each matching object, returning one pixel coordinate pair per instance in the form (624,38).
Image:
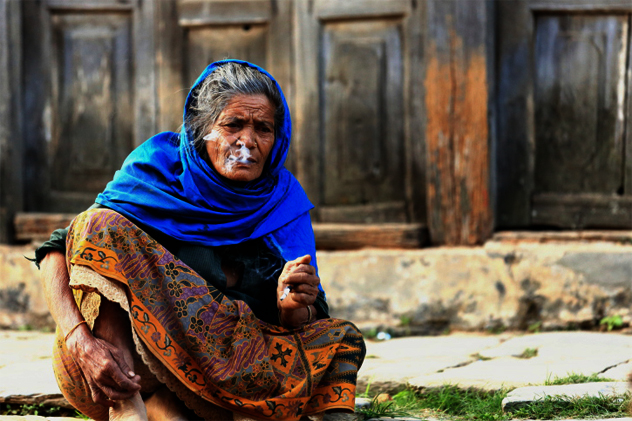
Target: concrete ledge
(503,284)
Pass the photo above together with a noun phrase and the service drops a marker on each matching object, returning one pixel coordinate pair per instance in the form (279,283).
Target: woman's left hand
(301,277)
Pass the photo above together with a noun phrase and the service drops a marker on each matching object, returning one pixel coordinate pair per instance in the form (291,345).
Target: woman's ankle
(129,410)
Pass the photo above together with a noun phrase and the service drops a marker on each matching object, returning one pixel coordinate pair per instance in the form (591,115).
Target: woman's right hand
(103,365)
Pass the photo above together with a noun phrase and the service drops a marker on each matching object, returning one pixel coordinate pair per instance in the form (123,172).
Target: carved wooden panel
(580,66)
(206,44)
(91,102)
(362,109)
(564,127)
(358,131)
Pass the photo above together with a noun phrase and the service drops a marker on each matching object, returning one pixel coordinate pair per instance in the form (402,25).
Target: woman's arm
(103,365)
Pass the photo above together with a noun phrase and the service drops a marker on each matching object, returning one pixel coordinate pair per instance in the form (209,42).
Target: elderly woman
(190,289)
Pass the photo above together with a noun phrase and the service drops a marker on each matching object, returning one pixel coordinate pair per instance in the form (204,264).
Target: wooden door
(564,153)
(84,76)
(357,120)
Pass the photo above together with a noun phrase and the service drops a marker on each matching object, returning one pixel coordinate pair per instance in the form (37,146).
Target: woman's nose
(247,138)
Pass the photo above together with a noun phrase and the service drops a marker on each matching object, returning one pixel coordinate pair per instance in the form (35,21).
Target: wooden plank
(515,138)
(354,9)
(145,97)
(74,6)
(414,127)
(11,180)
(36,80)
(368,214)
(578,211)
(306,120)
(619,236)
(354,236)
(627,140)
(39,226)
(581,5)
(171,87)
(203,13)
(457,133)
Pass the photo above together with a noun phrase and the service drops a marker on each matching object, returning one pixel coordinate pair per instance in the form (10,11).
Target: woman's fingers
(98,396)
(301,278)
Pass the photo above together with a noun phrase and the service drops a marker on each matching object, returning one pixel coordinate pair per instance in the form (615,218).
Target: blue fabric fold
(165,184)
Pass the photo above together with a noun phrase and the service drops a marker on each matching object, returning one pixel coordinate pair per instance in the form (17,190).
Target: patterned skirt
(211,351)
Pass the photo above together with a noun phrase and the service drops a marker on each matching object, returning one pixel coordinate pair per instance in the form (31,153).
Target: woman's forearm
(59,297)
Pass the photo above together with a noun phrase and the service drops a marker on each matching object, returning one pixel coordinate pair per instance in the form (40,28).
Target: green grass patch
(528,353)
(574,378)
(551,408)
(454,403)
(37,409)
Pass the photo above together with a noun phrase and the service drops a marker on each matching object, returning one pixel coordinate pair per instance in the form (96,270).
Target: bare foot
(164,405)
(129,410)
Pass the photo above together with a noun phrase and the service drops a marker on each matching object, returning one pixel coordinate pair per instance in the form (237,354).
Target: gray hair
(213,94)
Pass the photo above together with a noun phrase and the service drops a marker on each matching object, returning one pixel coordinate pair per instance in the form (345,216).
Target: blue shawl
(165,184)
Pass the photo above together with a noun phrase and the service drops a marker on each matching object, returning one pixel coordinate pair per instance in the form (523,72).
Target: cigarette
(286,291)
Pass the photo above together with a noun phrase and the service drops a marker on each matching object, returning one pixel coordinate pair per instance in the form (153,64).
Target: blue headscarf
(166,185)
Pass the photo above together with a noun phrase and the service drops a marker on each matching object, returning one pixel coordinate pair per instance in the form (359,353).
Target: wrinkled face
(241,139)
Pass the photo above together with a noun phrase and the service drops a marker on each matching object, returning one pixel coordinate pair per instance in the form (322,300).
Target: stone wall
(503,284)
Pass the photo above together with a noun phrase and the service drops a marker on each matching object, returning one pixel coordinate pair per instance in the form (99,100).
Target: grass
(574,378)
(37,409)
(528,353)
(455,403)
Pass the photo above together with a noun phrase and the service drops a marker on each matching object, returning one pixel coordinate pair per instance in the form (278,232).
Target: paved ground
(485,361)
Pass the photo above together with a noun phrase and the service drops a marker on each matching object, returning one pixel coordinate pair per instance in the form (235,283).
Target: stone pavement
(484,361)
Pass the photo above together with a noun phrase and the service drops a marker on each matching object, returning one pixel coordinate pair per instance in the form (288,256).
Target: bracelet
(73,329)
(309,315)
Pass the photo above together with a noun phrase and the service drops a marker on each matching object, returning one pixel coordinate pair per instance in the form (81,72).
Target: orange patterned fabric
(216,347)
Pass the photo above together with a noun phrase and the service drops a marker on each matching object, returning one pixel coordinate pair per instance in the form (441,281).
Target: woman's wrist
(81,333)
(292,319)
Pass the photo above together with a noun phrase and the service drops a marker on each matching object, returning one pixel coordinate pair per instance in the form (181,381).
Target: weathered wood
(89,75)
(204,13)
(623,237)
(580,65)
(369,214)
(354,9)
(580,5)
(362,104)
(171,87)
(578,211)
(91,99)
(456,96)
(145,111)
(352,236)
(90,5)
(11,180)
(356,142)
(563,79)
(627,177)
(38,226)
(515,137)
(36,105)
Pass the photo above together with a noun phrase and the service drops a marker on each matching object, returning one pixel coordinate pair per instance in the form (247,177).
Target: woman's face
(241,139)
